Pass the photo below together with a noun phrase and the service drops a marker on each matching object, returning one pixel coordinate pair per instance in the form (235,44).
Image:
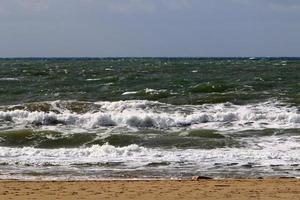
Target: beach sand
(153,189)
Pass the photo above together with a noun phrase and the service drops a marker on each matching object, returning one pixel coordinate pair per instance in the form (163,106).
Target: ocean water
(143,118)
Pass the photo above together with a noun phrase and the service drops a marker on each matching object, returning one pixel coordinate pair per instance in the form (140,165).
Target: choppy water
(149,118)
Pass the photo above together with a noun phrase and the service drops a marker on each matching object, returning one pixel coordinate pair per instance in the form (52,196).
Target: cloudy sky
(101,28)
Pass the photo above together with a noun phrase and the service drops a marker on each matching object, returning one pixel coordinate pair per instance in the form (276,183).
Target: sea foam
(155,115)
(271,151)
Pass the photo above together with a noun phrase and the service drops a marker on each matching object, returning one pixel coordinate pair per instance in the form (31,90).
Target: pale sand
(144,190)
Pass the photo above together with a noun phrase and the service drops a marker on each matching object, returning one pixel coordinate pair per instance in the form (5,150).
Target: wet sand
(154,189)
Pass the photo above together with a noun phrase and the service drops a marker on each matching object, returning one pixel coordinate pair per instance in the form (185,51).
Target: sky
(138,28)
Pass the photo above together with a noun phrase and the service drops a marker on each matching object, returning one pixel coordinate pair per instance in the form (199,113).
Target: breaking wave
(281,154)
(154,115)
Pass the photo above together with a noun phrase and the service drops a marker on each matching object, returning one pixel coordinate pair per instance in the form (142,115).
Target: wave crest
(148,114)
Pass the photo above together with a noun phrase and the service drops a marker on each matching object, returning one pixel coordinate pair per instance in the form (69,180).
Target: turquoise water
(88,118)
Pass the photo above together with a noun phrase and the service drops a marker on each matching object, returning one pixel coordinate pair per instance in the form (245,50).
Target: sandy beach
(154,189)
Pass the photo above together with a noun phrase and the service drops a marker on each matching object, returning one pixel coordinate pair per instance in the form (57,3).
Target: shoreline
(192,178)
(241,189)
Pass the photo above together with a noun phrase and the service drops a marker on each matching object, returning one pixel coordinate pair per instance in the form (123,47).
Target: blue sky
(104,28)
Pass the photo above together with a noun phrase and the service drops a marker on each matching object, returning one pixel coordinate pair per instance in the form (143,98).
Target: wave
(152,115)
(281,152)
(202,139)
(150,94)
(9,79)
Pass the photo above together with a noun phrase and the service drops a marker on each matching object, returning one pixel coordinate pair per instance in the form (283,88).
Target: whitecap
(9,79)
(130,93)
(150,114)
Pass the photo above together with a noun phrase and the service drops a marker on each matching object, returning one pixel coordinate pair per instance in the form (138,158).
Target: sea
(149,118)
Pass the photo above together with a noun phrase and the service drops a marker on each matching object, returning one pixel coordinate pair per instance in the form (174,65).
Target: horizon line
(141,57)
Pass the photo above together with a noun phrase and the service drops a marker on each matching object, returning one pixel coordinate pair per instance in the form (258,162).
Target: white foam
(93,79)
(129,93)
(9,79)
(266,152)
(153,91)
(149,114)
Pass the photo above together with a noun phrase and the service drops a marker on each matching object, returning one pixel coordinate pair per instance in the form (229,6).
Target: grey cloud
(288,5)
(284,2)
(34,5)
(17,7)
(142,6)
(130,6)
(114,6)
(149,28)
(279,5)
